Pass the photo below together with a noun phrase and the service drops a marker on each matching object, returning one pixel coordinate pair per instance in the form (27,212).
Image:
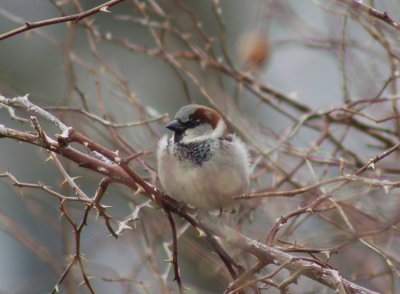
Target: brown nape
(208,115)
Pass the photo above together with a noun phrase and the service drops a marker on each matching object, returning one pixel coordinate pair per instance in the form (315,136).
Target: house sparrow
(201,164)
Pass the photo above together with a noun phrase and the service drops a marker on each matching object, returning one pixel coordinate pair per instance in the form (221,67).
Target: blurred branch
(40,186)
(29,241)
(383,16)
(75,17)
(103,121)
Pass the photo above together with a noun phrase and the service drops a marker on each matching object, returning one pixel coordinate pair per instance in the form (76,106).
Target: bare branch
(383,16)
(328,277)
(75,17)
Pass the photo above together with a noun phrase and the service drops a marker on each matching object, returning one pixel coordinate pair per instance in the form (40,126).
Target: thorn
(139,190)
(327,253)
(105,9)
(201,233)
(63,183)
(386,189)
(371,165)
(106,206)
(81,283)
(122,227)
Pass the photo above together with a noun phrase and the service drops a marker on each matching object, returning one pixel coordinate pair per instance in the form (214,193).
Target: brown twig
(177,276)
(329,277)
(383,16)
(75,17)
(118,170)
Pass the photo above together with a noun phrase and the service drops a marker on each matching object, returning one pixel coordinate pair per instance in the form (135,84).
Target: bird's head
(193,123)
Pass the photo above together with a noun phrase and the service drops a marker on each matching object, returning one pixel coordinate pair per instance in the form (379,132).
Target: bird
(202,164)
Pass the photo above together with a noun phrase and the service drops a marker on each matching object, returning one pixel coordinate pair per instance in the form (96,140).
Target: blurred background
(274,68)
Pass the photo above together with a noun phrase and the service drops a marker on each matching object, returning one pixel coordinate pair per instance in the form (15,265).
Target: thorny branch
(383,16)
(329,181)
(117,170)
(75,17)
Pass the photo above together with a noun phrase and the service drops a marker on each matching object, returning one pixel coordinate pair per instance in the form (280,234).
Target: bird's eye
(192,123)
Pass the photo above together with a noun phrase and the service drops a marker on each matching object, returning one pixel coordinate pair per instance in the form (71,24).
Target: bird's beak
(175,125)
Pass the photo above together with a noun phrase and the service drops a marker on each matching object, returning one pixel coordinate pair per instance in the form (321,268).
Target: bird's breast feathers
(205,174)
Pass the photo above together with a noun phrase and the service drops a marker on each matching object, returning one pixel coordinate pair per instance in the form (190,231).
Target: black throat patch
(196,152)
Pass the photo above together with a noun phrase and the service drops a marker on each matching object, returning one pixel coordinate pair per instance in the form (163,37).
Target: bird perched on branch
(202,164)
